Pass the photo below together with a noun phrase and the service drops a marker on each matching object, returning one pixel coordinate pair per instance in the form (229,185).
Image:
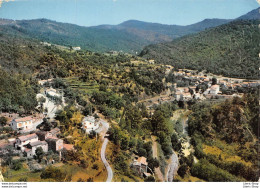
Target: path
(187,146)
(103,158)
(172,167)
(157,170)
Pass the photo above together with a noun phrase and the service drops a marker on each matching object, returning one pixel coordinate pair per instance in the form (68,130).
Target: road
(103,158)
(172,167)
(157,170)
(102,132)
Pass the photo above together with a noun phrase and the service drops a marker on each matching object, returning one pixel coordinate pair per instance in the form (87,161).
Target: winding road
(103,158)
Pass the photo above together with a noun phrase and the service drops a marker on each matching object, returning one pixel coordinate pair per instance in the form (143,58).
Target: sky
(97,12)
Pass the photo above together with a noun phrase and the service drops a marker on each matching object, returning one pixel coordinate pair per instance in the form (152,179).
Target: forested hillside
(130,36)
(225,139)
(230,50)
(18,54)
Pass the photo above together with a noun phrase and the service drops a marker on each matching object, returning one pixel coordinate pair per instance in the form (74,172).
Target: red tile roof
(142,160)
(28,118)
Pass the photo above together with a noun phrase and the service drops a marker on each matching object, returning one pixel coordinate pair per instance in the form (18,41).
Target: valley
(80,104)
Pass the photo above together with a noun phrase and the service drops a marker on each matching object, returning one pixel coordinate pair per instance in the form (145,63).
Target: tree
(54,173)
(3,121)
(39,153)
(182,171)
(16,165)
(159,123)
(24,179)
(153,163)
(95,166)
(214,81)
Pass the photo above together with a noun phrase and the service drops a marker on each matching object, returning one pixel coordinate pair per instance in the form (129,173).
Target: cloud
(2,1)
(258,1)
(116,0)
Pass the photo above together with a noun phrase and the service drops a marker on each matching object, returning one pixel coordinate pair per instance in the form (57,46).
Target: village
(184,85)
(26,136)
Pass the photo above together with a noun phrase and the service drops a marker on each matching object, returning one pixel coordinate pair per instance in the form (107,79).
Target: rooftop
(214,87)
(142,160)
(28,137)
(24,119)
(37,143)
(89,119)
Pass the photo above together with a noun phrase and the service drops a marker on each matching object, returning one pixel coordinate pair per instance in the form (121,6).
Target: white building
(24,140)
(42,82)
(76,48)
(178,95)
(214,90)
(31,148)
(52,92)
(25,123)
(89,123)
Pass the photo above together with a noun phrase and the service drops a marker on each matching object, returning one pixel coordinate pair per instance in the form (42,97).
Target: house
(24,140)
(42,82)
(52,93)
(76,48)
(186,90)
(43,135)
(253,84)
(25,123)
(89,123)
(186,96)
(55,144)
(30,149)
(54,132)
(151,61)
(214,90)
(140,165)
(178,95)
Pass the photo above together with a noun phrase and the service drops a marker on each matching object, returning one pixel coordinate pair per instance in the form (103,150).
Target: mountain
(252,15)
(230,50)
(130,36)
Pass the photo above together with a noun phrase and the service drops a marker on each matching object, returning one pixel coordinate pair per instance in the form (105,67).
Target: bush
(95,166)
(16,165)
(53,173)
(209,172)
(149,179)
(24,179)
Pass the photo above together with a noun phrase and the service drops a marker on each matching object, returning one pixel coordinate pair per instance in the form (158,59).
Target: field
(74,170)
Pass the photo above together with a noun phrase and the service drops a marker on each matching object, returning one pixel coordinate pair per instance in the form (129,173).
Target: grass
(227,156)
(72,169)
(79,172)
(189,178)
(14,176)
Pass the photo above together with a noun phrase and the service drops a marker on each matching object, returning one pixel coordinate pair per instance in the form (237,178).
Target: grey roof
(28,137)
(41,132)
(54,131)
(37,143)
